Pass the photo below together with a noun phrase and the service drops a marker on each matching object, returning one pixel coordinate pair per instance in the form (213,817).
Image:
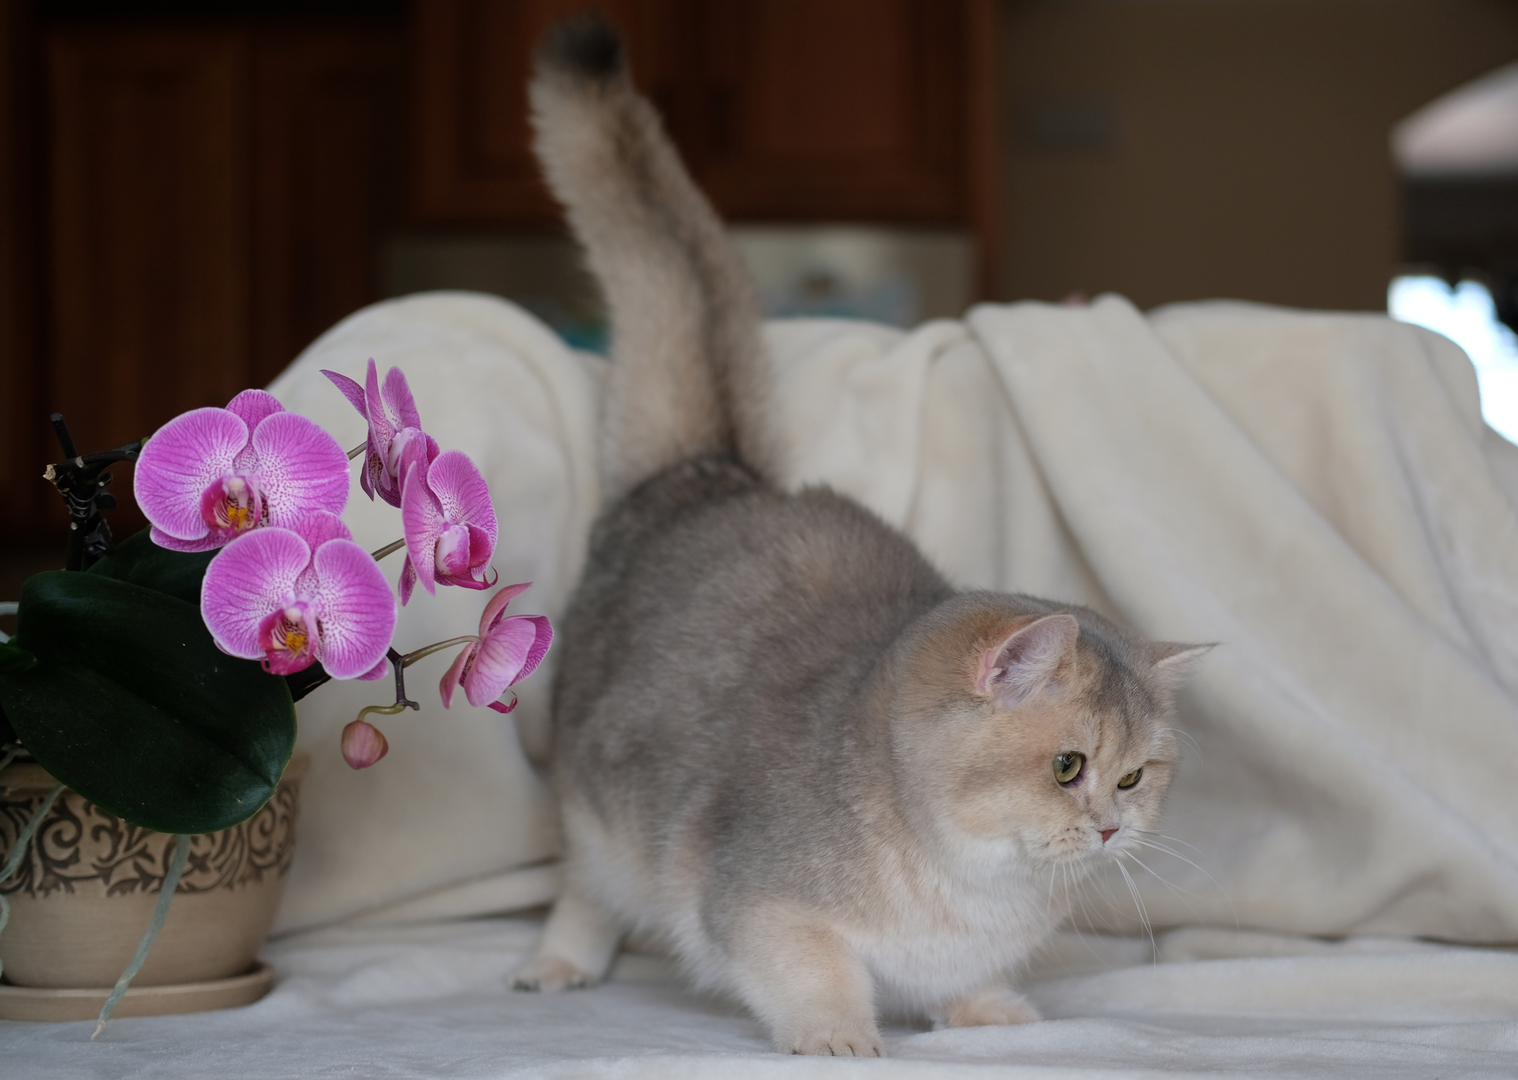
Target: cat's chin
(1082,860)
(1018,856)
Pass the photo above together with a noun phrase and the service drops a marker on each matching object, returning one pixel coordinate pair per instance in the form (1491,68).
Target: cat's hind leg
(994,1004)
(577,948)
(808,987)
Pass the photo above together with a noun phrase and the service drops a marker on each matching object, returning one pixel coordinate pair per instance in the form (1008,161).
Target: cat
(784,745)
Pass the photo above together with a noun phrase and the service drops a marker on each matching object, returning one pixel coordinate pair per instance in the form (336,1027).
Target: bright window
(1466,316)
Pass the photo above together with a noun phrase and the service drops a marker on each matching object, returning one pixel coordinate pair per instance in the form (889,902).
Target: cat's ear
(1174,663)
(1020,665)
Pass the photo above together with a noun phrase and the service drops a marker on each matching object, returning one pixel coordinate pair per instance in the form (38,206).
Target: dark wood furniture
(214,197)
(786,110)
(190,194)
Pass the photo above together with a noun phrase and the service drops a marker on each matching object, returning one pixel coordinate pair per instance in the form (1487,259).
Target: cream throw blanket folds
(1316,492)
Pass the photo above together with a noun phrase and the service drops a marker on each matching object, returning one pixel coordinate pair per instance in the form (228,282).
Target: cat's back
(756,614)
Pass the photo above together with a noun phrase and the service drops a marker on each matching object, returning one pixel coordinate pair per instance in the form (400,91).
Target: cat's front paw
(551,973)
(991,1006)
(843,1039)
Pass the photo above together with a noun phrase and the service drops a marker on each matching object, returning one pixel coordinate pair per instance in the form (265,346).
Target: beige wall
(1221,147)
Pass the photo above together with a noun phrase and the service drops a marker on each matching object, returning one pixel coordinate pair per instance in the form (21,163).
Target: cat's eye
(1129,779)
(1068,766)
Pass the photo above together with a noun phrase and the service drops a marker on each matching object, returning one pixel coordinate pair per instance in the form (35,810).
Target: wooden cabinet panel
(784,109)
(149,236)
(217,199)
(471,141)
(840,109)
(20,402)
(326,147)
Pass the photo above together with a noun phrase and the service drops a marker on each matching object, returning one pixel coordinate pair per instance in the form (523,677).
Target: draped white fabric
(428,1002)
(1316,492)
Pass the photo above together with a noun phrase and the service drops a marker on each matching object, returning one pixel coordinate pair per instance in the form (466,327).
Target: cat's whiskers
(1222,892)
(1167,836)
(1167,851)
(1138,901)
(1104,882)
(1080,897)
(1177,855)
(1074,925)
(1195,745)
(1180,893)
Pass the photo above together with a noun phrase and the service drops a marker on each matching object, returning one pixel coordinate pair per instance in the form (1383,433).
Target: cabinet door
(21,409)
(784,109)
(471,142)
(218,197)
(148,232)
(819,109)
(326,151)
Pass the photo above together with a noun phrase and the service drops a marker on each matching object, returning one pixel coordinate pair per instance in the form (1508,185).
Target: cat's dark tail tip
(583,47)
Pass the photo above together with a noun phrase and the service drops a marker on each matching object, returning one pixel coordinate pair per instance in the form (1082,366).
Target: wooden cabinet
(833,110)
(327,176)
(148,238)
(471,145)
(20,290)
(785,110)
(185,205)
(215,200)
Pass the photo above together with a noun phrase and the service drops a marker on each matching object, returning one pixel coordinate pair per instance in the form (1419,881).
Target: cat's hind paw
(990,1006)
(551,974)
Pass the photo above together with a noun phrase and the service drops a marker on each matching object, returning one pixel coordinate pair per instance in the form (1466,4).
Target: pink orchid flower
(395,430)
(449,524)
(508,650)
(210,475)
(292,597)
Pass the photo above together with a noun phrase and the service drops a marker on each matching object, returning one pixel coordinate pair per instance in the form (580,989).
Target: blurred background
(191,192)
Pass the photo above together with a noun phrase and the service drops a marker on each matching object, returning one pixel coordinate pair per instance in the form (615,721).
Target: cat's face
(1046,741)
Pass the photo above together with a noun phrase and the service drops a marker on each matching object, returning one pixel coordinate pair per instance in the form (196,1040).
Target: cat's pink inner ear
(1027,658)
(1174,662)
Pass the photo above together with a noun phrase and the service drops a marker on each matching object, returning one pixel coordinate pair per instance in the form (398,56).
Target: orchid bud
(363,744)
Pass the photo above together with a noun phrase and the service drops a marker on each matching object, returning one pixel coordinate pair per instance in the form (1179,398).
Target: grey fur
(682,305)
(785,746)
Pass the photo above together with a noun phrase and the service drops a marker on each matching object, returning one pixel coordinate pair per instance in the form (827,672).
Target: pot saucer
(52,1004)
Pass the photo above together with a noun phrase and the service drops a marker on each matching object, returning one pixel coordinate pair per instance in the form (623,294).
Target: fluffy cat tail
(687,376)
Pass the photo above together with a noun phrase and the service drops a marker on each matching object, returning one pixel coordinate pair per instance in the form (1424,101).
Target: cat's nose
(1107,834)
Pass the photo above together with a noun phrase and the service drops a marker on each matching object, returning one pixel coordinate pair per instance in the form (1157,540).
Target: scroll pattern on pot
(79,843)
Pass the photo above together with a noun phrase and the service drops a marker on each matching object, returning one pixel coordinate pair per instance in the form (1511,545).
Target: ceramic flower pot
(85,892)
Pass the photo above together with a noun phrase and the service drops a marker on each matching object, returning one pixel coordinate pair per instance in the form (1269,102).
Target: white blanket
(1316,492)
(429,1002)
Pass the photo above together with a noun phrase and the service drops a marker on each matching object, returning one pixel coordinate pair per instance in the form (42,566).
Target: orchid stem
(385,710)
(427,650)
(82,481)
(388,549)
(357,450)
(401,700)
(401,663)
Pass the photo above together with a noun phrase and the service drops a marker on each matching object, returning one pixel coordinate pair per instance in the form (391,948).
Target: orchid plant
(160,682)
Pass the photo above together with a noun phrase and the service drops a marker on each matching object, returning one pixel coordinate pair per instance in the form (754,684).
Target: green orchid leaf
(14,658)
(138,560)
(133,706)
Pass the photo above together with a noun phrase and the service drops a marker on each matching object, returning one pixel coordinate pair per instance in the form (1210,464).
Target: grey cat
(784,745)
